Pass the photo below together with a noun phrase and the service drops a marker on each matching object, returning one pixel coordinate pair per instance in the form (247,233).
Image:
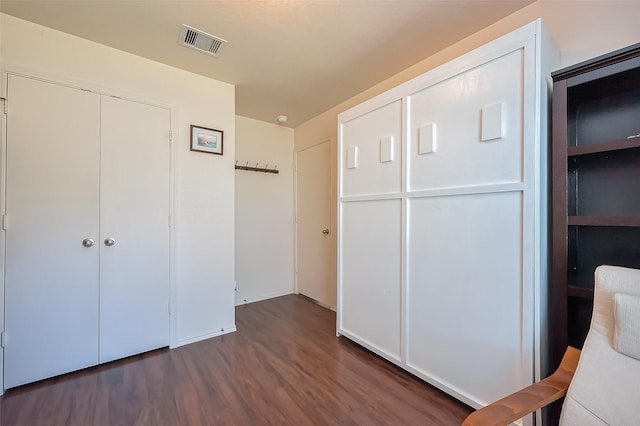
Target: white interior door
(52,181)
(134,214)
(315,273)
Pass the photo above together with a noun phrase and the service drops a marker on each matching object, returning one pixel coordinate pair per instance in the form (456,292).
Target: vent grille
(199,40)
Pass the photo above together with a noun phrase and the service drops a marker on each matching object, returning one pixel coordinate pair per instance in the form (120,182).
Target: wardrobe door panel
(372,152)
(465,294)
(134,219)
(52,181)
(371,274)
(467,130)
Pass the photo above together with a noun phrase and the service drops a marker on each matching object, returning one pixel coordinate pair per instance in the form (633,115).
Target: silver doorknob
(87,242)
(109,242)
(325,231)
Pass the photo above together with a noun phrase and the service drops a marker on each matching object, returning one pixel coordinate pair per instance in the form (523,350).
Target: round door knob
(109,242)
(325,231)
(87,242)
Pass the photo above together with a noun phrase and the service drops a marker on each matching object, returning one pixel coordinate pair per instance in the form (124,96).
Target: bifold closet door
(134,228)
(52,251)
(87,229)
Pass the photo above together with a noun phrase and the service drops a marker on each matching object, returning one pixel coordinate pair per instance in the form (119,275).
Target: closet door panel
(372,152)
(52,181)
(465,293)
(450,140)
(134,213)
(371,274)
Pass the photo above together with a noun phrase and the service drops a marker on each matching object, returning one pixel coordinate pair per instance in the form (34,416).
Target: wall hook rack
(264,169)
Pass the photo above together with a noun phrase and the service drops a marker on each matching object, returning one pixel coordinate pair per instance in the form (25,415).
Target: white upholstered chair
(604,389)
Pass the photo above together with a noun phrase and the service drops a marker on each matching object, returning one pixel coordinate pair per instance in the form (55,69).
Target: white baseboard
(224,330)
(260,298)
(319,303)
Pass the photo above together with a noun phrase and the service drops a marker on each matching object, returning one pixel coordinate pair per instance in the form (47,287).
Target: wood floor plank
(283,366)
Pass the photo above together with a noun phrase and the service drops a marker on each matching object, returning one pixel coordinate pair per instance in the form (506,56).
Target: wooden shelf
(604,220)
(574,151)
(580,292)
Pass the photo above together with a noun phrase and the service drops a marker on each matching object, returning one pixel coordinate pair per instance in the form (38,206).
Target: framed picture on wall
(207,140)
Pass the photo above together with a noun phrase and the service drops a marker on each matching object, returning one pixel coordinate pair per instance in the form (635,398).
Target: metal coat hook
(264,169)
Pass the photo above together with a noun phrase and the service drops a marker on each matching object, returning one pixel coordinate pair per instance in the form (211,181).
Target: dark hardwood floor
(283,366)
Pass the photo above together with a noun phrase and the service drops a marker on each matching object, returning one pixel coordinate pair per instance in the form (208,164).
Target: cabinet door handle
(109,242)
(87,242)
(325,231)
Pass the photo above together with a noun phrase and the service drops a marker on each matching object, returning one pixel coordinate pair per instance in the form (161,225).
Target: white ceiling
(294,58)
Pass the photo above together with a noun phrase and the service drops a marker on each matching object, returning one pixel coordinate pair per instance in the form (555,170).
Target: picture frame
(204,139)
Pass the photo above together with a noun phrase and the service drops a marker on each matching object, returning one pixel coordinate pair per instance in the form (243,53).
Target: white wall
(580,29)
(203,224)
(264,211)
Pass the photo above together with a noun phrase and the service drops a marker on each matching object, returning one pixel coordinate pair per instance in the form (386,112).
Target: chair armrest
(519,404)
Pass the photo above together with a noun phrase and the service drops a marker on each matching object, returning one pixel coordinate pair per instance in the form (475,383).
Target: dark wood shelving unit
(595,186)
(604,220)
(574,151)
(581,292)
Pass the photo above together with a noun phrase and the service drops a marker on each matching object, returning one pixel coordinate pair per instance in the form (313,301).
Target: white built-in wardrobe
(442,219)
(86,215)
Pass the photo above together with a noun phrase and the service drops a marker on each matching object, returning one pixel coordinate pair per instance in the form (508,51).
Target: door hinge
(5,101)
(4,222)
(3,339)
(170,136)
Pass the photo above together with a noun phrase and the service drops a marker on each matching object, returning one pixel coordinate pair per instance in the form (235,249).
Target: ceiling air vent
(201,41)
